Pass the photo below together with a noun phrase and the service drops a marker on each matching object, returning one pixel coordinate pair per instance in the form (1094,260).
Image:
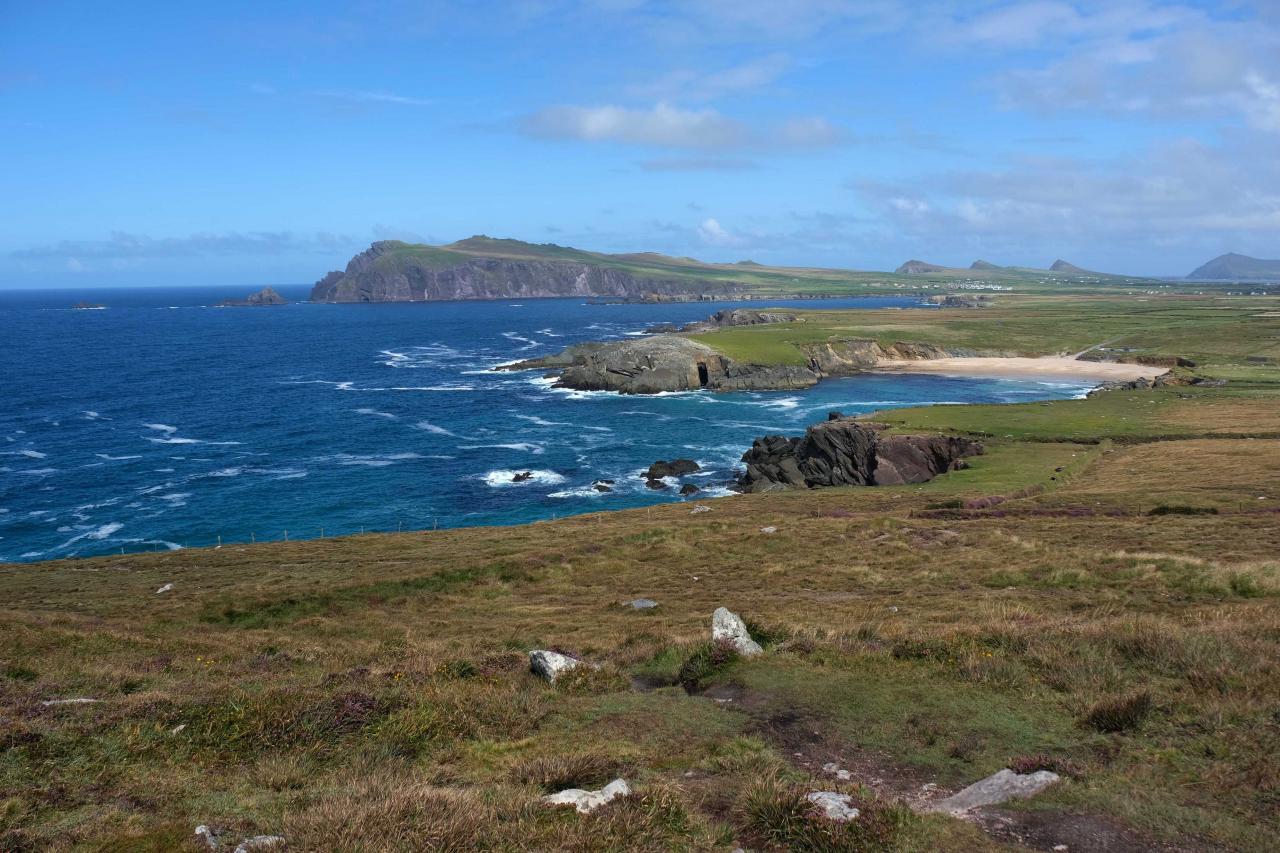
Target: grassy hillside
(1226,332)
(767,281)
(1097,594)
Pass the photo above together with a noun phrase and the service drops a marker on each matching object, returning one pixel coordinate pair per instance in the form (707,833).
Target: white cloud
(689,85)
(712,233)
(366,97)
(663,125)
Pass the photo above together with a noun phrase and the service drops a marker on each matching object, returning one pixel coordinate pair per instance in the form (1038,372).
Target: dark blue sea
(160,422)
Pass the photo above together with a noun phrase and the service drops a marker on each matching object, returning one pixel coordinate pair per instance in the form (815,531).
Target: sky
(254,143)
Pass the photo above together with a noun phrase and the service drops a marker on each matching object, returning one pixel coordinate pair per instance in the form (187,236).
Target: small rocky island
(88,306)
(266,296)
(846,452)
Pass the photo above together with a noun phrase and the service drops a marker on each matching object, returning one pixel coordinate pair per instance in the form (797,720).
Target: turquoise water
(160,423)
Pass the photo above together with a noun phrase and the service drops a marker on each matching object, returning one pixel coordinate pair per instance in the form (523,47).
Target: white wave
(782,405)
(94,416)
(430,388)
(549,333)
(111,458)
(98,533)
(528,344)
(582,492)
(165,428)
(502,478)
(37,472)
(526,446)
(191,441)
(375,413)
(426,426)
(374,460)
(30,454)
(225,472)
(534,419)
(292,475)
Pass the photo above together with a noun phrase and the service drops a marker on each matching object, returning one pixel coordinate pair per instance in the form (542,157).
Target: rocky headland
(673,363)
(392,271)
(726,318)
(846,452)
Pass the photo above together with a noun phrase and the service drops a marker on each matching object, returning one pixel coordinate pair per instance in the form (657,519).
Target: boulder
(522,477)
(259,842)
(847,452)
(551,665)
(688,489)
(642,604)
(834,805)
(728,626)
(995,789)
(699,508)
(674,468)
(588,801)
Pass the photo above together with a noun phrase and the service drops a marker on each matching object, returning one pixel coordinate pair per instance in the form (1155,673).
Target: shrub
(706,660)
(1119,714)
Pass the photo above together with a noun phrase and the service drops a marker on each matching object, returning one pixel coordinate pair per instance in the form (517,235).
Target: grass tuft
(1120,714)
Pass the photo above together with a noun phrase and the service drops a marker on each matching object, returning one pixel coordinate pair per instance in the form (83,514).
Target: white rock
(837,771)
(49,703)
(178,729)
(835,806)
(259,842)
(699,508)
(729,626)
(642,604)
(770,529)
(204,834)
(997,788)
(551,665)
(588,801)
(164,588)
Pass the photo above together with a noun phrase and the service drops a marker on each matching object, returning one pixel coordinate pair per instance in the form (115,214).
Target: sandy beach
(1048,366)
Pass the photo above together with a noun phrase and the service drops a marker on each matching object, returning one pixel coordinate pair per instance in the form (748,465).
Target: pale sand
(1048,366)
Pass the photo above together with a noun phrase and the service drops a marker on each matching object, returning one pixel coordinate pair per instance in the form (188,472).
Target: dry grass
(372,692)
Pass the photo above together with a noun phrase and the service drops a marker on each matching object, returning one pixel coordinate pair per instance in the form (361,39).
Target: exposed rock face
(849,453)
(728,317)
(673,363)
(266,296)
(728,626)
(834,805)
(551,665)
(588,801)
(674,468)
(391,271)
(997,788)
(663,363)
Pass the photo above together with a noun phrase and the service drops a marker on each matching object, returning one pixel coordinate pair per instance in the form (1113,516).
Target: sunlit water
(160,422)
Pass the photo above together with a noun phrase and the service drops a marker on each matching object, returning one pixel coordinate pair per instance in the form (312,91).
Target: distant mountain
(1063,266)
(983,265)
(1233,267)
(918,268)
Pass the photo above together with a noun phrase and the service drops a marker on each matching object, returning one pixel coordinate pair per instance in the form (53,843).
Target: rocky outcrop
(833,805)
(728,627)
(672,363)
(845,452)
(726,318)
(266,296)
(1065,266)
(588,801)
(392,271)
(663,363)
(674,468)
(551,665)
(995,789)
(984,266)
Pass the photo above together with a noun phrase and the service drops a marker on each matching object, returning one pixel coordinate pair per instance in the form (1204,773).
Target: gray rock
(847,452)
(837,771)
(642,604)
(726,625)
(206,836)
(697,508)
(588,801)
(551,665)
(259,842)
(166,588)
(266,296)
(995,789)
(52,703)
(834,805)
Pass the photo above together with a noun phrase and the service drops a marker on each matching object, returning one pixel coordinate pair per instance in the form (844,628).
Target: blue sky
(239,144)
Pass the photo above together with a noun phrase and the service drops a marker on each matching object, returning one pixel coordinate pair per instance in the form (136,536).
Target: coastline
(1022,368)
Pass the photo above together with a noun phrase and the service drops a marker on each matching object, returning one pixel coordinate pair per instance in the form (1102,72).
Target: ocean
(160,422)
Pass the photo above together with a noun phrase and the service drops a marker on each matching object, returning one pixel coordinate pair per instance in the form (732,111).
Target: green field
(1098,594)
